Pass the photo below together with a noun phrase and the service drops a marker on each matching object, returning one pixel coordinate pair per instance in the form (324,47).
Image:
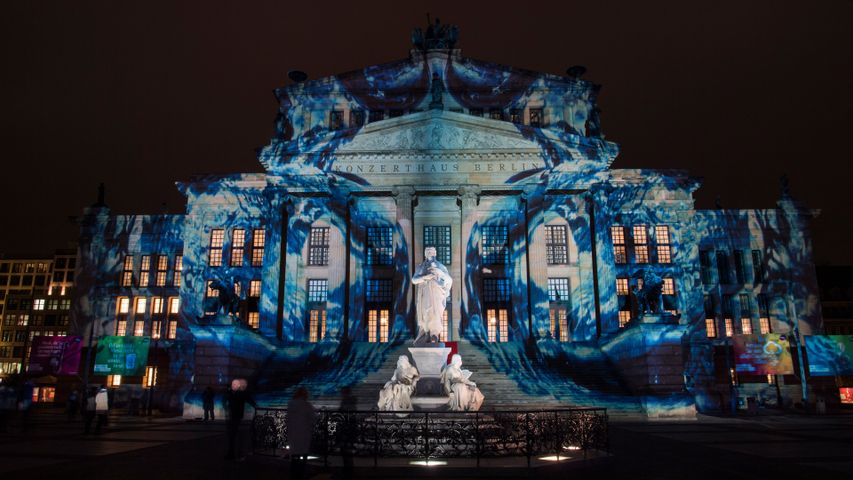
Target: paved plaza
(767,446)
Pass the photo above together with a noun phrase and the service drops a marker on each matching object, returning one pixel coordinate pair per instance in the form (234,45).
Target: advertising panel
(55,355)
(763,354)
(124,356)
(830,355)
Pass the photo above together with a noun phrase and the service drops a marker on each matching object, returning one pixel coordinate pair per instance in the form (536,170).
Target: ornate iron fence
(440,434)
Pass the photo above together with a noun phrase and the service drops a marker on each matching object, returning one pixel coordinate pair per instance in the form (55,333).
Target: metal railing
(428,435)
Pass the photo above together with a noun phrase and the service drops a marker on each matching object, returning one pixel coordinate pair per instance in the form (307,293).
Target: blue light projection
(571,183)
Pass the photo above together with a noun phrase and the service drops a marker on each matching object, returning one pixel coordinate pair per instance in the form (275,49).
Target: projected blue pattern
(572,183)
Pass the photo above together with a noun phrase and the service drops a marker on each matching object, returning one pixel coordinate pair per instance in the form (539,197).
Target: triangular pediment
(438,132)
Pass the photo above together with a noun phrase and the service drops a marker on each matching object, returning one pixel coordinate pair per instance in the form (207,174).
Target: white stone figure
(397,393)
(434,282)
(464,394)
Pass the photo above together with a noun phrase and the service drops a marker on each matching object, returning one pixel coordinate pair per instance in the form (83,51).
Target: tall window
(238,242)
(664,248)
(723,267)
(318,246)
(495,244)
(496,114)
(174,311)
(380,246)
(558,297)
(122,313)
(336,120)
(516,115)
(258,240)
(445,325)
(378,299)
(162,268)
(217,239)
(127,271)
(669,302)
(438,236)
(728,316)
(740,267)
(179,270)
(757,267)
(537,117)
(556,245)
(496,296)
(617,234)
(144,270)
(641,244)
(745,314)
(317,297)
(254,320)
(254,288)
(763,314)
(624,299)
(156,317)
(705,266)
(710,317)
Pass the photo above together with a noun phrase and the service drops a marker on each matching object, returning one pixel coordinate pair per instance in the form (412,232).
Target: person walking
(102,408)
(301,417)
(236,400)
(207,402)
(89,408)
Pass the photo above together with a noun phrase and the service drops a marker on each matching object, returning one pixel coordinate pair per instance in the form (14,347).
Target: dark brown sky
(140,94)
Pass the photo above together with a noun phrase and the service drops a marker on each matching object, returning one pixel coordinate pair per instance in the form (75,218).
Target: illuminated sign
(830,355)
(763,354)
(56,355)
(122,355)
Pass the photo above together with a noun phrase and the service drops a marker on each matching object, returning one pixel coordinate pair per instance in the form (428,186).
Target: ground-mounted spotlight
(555,458)
(428,463)
(572,447)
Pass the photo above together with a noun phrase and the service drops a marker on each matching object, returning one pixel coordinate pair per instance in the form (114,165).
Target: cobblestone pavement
(779,446)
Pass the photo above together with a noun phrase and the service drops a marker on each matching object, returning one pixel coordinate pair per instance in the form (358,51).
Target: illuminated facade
(504,171)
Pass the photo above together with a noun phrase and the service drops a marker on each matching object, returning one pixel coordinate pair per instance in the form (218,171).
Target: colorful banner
(55,355)
(830,355)
(122,355)
(763,354)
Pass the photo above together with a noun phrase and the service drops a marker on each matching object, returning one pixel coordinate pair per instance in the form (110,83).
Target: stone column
(404,196)
(469,196)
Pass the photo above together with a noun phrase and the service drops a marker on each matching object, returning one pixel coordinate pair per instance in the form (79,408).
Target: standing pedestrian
(236,399)
(72,404)
(89,408)
(300,427)
(102,408)
(207,399)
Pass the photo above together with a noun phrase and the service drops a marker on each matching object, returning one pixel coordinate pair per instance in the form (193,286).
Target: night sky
(141,94)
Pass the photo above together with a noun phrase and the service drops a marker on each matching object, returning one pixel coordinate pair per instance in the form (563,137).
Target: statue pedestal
(430,361)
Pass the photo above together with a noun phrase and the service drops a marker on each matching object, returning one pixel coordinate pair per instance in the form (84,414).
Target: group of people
(463,394)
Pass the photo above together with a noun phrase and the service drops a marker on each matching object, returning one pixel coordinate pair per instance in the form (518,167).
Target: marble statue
(397,393)
(434,282)
(464,394)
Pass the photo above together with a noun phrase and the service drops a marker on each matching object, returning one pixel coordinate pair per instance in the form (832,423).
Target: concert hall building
(507,173)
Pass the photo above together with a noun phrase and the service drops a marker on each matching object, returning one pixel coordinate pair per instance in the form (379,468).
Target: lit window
(123,305)
(217,239)
(641,247)
(121,328)
(515,115)
(668,286)
(495,244)
(556,245)
(710,316)
(127,271)
(445,327)
(144,270)
(38,304)
(377,325)
(179,268)
(617,233)
(162,262)
(498,324)
(622,286)
(209,291)
(664,252)
(174,305)
(141,303)
(624,317)
(380,246)
(255,288)
(254,320)
(710,327)
(318,246)
(238,241)
(558,289)
(728,314)
(745,314)
(138,328)
(258,241)
(763,314)
(155,329)
(438,236)
(730,328)
(559,317)
(746,326)
(173,330)
(316,324)
(317,290)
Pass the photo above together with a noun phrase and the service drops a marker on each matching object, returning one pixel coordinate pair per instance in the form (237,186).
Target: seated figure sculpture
(464,394)
(397,393)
